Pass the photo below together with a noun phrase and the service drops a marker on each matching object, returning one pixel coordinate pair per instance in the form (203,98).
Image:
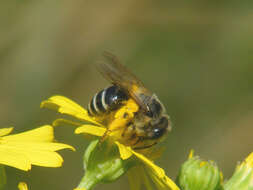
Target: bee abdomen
(106,100)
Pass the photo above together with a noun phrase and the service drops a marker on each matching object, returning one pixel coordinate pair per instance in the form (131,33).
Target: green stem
(3,178)
(88,181)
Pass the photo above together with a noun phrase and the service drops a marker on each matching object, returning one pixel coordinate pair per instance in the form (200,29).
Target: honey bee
(150,122)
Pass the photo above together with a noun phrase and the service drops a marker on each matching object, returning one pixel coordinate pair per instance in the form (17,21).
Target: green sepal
(102,164)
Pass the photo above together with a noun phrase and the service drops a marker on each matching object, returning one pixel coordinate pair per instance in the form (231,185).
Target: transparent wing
(119,75)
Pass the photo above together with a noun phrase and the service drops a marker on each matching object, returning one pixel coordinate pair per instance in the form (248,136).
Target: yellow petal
(41,134)
(79,189)
(25,146)
(61,121)
(124,151)
(91,129)
(66,106)
(23,159)
(158,182)
(171,183)
(45,158)
(15,159)
(157,171)
(41,154)
(5,131)
(22,186)
(249,160)
(191,154)
(31,147)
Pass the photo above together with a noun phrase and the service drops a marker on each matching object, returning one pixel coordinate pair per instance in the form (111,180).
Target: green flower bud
(102,164)
(196,174)
(242,178)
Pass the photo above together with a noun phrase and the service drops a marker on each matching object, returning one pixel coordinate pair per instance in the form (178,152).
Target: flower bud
(242,178)
(102,164)
(196,174)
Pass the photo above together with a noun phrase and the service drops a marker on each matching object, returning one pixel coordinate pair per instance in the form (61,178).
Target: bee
(150,123)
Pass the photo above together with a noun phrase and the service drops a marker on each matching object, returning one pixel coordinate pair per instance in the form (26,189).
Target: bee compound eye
(155,108)
(160,128)
(158,132)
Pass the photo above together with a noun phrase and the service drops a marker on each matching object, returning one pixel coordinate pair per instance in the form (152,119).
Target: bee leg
(108,131)
(125,129)
(134,136)
(144,147)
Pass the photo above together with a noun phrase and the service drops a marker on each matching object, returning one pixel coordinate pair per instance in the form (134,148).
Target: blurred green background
(195,55)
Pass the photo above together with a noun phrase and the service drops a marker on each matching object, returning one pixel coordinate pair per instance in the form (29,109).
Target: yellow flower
(34,147)
(22,186)
(157,174)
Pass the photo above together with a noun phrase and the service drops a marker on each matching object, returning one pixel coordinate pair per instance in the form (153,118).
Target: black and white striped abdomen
(108,99)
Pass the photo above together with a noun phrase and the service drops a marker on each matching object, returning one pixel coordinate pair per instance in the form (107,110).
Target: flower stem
(88,181)
(3,178)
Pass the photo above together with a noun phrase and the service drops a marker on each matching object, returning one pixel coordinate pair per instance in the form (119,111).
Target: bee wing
(119,75)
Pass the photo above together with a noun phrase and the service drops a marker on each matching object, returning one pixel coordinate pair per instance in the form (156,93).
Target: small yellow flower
(34,147)
(157,174)
(22,186)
